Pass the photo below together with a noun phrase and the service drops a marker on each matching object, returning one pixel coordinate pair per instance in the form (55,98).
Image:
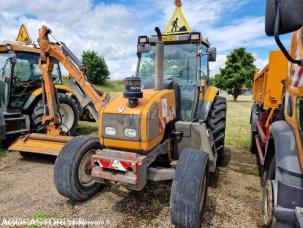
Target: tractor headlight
(130,133)
(110,131)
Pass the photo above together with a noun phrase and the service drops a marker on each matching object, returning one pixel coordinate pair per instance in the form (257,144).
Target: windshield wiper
(180,73)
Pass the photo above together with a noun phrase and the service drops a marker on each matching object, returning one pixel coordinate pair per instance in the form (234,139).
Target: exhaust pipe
(159,61)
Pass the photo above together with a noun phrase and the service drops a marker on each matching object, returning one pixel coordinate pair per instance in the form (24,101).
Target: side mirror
(287,12)
(144,48)
(212,54)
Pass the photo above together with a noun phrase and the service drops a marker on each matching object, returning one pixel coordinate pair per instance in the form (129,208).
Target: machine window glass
(180,65)
(179,62)
(26,77)
(204,64)
(300,113)
(27,68)
(5,73)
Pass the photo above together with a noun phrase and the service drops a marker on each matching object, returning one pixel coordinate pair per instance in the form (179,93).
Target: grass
(40,217)
(2,151)
(110,86)
(238,115)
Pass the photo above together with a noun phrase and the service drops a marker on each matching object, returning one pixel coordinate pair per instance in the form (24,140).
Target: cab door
(6,67)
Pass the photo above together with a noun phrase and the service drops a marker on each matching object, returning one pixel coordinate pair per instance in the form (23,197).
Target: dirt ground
(27,191)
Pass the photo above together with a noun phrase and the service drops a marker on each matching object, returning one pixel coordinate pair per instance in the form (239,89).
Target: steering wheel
(15,80)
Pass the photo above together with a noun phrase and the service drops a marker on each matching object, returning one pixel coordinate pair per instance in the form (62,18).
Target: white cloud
(112,29)
(106,28)
(215,66)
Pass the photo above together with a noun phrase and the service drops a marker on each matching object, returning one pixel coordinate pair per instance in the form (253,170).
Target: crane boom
(85,92)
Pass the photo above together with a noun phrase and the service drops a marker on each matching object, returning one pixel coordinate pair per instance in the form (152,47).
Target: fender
(205,102)
(288,183)
(287,161)
(35,97)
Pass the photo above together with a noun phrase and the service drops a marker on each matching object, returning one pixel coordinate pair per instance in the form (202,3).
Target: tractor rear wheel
(216,123)
(189,189)
(72,172)
(68,111)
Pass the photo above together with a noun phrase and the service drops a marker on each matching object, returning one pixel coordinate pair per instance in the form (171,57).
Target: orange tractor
(277,118)
(172,129)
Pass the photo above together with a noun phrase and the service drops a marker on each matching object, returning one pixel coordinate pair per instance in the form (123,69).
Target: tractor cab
(186,64)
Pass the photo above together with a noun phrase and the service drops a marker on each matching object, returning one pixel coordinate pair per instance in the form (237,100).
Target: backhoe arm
(85,92)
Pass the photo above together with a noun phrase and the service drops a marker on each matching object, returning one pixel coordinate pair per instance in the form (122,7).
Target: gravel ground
(27,191)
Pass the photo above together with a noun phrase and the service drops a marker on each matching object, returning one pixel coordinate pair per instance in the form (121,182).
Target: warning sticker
(23,35)
(177,23)
(164,107)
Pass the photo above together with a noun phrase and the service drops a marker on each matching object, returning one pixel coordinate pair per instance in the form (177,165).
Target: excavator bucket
(40,144)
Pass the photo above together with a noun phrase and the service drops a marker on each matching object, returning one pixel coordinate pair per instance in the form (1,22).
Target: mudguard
(289,178)
(35,97)
(286,152)
(204,104)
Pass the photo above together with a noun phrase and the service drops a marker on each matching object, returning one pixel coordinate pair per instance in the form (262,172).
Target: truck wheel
(253,146)
(216,123)
(269,193)
(253,132)
(69,115)
(189,189)
(72,172)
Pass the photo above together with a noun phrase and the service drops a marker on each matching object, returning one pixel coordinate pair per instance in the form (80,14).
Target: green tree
(238,73)
(97,70)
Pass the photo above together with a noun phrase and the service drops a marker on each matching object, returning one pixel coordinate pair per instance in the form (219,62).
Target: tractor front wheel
(72,172)
(189,189)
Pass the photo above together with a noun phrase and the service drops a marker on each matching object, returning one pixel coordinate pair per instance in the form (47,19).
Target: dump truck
(276,118)
(172,129)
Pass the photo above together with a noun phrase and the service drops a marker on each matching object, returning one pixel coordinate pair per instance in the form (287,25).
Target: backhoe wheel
(189,189)
(69,115)
(216,123)
(72,172)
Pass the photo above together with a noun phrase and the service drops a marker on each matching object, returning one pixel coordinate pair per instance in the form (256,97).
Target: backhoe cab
(167,125)
(21,95)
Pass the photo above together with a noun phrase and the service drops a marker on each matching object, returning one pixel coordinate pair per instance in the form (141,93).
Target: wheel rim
(268,203)
(202,193)
(67,117)
(85,169)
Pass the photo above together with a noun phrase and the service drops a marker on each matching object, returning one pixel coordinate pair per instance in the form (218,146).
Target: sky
(111,27)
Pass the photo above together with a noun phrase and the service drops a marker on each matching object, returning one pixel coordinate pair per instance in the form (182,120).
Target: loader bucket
(40,144)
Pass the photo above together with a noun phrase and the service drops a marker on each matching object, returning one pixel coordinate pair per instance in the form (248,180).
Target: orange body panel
(17,46)
(150,97)
(295,91)
(268,86)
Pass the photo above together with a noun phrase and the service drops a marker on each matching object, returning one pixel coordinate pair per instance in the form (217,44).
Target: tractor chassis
(130,168)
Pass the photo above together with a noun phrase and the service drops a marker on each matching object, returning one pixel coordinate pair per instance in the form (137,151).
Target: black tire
(253,146)
(68,166)
(269,175)
(189,189)
(253,132)
(64,99)
(269,172)
(216,123)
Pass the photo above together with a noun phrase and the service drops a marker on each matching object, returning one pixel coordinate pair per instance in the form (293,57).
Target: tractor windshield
(180,62)
(180,65)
